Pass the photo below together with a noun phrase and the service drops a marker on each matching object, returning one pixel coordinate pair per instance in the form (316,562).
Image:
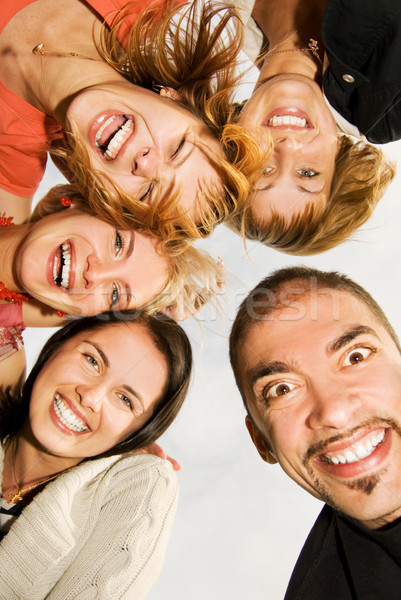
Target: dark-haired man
(319,369)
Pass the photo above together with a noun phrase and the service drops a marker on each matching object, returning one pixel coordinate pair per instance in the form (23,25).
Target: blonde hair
(195,277)
(361,176)
(190,55)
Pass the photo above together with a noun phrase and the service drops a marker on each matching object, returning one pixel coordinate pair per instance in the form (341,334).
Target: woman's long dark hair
(169,338)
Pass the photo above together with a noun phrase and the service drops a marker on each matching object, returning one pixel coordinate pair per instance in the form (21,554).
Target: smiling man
(319,369)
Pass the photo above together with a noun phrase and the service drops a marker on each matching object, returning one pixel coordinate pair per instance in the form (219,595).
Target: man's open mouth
(62,266)
(112,135)
(358,451)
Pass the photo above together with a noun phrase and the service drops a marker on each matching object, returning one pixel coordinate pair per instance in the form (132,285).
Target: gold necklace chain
(39,49)
(313,48)
(17,497)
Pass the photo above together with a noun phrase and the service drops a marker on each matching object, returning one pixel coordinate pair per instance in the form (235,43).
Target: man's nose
(332,405)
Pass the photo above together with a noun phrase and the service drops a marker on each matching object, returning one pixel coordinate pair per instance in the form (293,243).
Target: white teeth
(66,416)
(55,268)
(108,122)
(359,451)
(287,120)
(350,457)
(117,141)
(64,279)
(362,452)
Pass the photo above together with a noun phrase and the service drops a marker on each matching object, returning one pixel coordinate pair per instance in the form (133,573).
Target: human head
(293,116)
(199,68)
(169,339)
(194,277)
(361,176)
(79,264)
(319,369)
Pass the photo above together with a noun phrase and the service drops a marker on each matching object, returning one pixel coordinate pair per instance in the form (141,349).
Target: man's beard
(367,482)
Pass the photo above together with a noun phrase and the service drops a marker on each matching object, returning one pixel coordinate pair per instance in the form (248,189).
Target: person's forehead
(303,323)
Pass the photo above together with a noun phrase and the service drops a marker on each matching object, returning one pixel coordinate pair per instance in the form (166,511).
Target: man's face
(322,380)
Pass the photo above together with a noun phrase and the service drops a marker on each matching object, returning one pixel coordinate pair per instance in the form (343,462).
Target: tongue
(114,124)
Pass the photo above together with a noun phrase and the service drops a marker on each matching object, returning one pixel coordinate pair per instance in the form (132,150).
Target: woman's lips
(67,417)
(288,118)
(61,267)
(109,132)
(356,456)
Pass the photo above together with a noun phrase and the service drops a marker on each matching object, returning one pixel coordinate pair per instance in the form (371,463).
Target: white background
(241,523)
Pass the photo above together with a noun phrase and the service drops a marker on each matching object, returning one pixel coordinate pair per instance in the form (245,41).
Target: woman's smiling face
(145,143)
(96,390)
(81,265)
(291,111)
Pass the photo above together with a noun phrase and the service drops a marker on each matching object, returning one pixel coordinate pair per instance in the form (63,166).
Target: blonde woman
(139,157)
(317,186)
(68,260)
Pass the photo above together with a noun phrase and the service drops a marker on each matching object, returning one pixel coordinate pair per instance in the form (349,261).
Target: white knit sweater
(98,532)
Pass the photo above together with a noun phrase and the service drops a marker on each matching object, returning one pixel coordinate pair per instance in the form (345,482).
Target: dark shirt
(363,82)
(342,560)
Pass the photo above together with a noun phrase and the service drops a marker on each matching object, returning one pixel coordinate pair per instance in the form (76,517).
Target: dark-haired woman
(81,514)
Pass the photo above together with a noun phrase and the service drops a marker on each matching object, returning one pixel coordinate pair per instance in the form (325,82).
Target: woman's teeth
(66,416)
(359,451)
(62,266)
(286,120)
(113,134)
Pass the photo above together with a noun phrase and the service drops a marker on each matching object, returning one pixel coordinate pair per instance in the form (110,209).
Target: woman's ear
(259,443)
(169,92)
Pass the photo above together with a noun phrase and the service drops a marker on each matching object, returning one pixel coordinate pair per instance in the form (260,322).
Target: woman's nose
(288,144)
(146,162)
(91,396)
(99,271)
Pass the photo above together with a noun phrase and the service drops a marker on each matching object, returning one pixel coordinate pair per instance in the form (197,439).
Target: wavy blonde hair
(195,278)
(185,51)
(361,176)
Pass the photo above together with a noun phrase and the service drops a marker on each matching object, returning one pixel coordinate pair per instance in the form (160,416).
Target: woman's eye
(115,296)
(125,400)
(147,193)
(179,147)
(91,360)
(119,243)
(307,173)
(358,355)
(267,171)
(278,389)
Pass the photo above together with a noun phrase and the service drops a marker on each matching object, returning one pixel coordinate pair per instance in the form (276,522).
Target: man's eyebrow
(100,352)
(348,336)
(268,369)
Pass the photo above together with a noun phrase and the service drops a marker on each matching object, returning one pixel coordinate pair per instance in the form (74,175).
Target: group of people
(135,104)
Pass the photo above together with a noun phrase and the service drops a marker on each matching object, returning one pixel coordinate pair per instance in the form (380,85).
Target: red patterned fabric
(11,328)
